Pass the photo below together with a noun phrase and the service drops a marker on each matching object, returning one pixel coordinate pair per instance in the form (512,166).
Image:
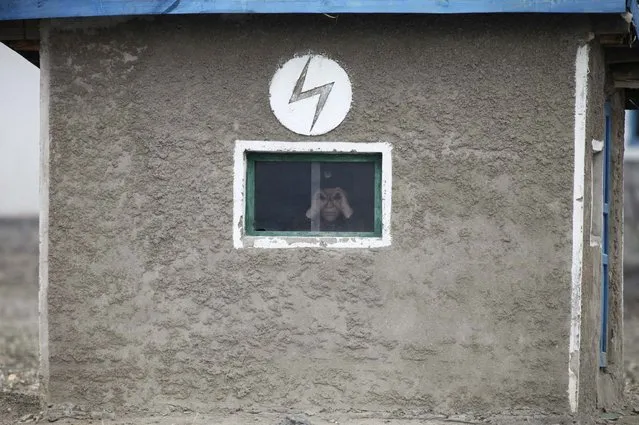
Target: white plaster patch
(310,95)
(597,145)
(240,240)
(581,98)
(127,57)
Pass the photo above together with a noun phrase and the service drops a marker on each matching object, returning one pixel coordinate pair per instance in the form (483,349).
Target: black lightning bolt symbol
(323,92)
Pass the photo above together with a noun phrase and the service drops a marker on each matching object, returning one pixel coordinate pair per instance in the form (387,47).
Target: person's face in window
(331,204)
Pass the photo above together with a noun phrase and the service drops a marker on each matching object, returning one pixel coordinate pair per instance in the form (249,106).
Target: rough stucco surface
(591,265)
(468,310)
(599,387)
(615,369)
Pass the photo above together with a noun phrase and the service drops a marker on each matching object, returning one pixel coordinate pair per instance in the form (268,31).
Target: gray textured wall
(148,302)
(597,387)
(611,393)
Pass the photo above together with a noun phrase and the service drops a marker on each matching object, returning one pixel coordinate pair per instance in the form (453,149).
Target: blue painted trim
(633,7)
(608,112)
(39,9)
(605,243)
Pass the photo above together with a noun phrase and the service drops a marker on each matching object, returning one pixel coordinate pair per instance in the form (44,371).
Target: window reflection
(314,196)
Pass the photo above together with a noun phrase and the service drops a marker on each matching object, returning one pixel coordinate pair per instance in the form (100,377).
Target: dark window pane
(314,196)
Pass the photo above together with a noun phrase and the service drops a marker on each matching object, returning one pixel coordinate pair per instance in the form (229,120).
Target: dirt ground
(19,357)
(18,318)
(632,363)
(18,351)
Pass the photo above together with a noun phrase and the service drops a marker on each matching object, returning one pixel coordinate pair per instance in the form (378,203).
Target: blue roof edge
(633,8)
(44,9)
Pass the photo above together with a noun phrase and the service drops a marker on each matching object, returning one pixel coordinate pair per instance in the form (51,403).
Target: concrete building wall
(613,377)
(468,309)
(601,387)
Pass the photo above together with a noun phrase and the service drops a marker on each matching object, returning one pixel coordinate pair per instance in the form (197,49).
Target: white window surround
(241,240)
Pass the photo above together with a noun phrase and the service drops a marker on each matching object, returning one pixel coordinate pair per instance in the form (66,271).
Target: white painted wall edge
(43,269)
(581,99)
(239,202)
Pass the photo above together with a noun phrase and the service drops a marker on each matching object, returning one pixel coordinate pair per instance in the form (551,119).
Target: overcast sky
(19,134)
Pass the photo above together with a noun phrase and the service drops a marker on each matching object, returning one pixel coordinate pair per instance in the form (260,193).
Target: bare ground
(18,352)
(631,355)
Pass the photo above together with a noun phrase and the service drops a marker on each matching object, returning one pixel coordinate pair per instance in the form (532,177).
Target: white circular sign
(311,95)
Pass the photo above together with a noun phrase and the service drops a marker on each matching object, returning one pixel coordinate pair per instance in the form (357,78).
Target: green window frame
(253,157)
